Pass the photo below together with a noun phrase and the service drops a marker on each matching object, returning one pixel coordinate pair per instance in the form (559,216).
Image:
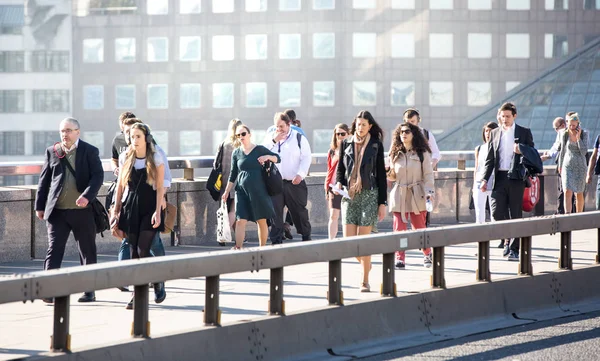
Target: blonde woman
(334,201)
(224,158)
(572,164)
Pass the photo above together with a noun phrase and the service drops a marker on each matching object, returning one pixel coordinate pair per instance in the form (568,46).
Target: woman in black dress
(252,202)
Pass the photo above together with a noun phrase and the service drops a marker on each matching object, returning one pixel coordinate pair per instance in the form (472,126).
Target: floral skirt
(362,210)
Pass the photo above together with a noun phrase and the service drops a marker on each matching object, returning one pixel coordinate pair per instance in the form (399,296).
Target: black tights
(143,242)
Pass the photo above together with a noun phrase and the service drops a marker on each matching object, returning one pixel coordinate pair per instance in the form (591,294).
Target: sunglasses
(242,134)
(340,134)
(406,131)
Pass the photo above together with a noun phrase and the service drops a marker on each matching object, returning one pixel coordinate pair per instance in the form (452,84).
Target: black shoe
(287,233)
(306,238)
(159,292)
(48,300)
(123,289)
(513,256)
(400,264)
(87,297)
(506,250)
(129,305)
(501,244)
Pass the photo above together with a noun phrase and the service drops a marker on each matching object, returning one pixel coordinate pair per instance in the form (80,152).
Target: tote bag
(223,227)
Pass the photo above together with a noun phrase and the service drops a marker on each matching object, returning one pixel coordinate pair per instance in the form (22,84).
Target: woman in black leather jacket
(361,170)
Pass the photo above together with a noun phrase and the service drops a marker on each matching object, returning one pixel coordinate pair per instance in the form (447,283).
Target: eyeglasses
(67,131)
(242,134)
(341,134)
(406,131)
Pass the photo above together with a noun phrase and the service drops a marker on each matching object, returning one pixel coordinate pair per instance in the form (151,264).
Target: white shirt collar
(511,129)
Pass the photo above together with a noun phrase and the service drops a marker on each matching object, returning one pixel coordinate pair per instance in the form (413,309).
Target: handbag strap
(66,163)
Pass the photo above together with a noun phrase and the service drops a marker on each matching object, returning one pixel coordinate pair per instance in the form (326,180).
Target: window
(51,101)
(517,5)
(190,96)
(441,93)
(96,139)
(403,4)
(290,94)
(223,47)
(93,50)
(323,4)
(12,19)
(41,141)
(510,85)
(403,45)
(364,45)
(290,5)
(256,95)
(190,6)
(190,142)
(256,46)
(12,101)
(321,140)
(12,61)
(403,93)
(222,6)
(50,61)
(220,135)
(12,143)
(480,4)
(256,5)
(557,4)
(364,93)
(591,4)
(324,45)
(222,95)
(479,93)
(125,50)
(190,48)
(158,49)
(480,46)
(290,46)
(157,7)
(158,96)
(364,4)
(555,46)
(441,4)
(517,46)
(441,45)
(323,93)
(162,139)
(125,96)
(105,7)
(93,97)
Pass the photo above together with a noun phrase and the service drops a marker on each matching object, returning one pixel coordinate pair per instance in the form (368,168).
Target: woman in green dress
(252,202)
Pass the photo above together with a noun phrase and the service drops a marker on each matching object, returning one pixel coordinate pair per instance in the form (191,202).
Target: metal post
(388,287)
(335,296)
(598,248)
(141,325)
(212,314)
(276,302)
(525,267)
(539,209)
(437,279)
(462,164)
(188,174)
(565,261)
(61,340)
(483,262)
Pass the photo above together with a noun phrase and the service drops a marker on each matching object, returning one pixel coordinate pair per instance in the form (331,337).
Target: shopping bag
(223,227)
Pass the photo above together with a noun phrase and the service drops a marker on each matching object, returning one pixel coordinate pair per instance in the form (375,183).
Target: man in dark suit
(504,162)
(63,200)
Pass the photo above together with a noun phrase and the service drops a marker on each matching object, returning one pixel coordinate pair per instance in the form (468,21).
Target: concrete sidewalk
(25,329)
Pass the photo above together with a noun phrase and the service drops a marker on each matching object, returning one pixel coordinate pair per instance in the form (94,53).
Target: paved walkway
(25,329)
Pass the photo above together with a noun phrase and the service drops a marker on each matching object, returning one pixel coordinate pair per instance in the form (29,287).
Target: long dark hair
(334,142)
(375,130)
(419,143)
(491,125)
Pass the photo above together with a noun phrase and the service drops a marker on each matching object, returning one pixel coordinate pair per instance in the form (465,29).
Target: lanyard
(279,144)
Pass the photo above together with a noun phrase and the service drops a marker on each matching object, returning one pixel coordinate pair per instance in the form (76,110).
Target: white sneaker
(427,261)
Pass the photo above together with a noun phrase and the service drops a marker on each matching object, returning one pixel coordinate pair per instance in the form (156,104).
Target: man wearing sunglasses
(63,197)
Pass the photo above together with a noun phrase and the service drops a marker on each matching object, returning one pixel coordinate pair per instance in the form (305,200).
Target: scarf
(355,183)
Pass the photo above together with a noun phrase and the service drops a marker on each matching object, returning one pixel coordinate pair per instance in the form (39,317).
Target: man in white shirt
(558,124)
(296,157)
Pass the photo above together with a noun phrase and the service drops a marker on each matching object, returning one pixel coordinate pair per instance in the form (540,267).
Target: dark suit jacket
(493,159)
(89,176)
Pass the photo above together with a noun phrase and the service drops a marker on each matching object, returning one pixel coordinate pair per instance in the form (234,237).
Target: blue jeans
(157,248)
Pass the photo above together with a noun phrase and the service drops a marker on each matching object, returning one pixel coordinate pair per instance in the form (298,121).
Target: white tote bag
(223,227)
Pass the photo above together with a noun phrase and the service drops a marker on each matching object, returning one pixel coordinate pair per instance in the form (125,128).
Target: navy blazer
(89,177)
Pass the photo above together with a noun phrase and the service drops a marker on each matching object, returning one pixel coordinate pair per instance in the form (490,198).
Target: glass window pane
(510,85)
(41,141)
(222,6)
(190,142)
(290,46)
(125,50)
(517,4)
(480,46)
(555,46)
(364,93)
(125,96)
(364,45)
(96,139)
(323,93)
(256,5)
(158,49)
(441,93)
(479,93)
(256,95)
(190,48)
(480,5)
(324,45)
(190,6)
(93,97)
(290,94)
(158,96)
(441,4)
(223,47)
(50,101)
(403,93)
(364,4)
(93,50)
(162,139)
(157,7)
(222,95)
(323,4)
(557,4)
(591,4)
(321,140)
(517,46)
(403,45)
(220,135)
(190,96)
(441,45)
(256,46)
(290,5)
(403,4)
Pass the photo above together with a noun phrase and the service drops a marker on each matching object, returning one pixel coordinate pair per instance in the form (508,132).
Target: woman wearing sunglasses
(412,174)
(252,202)
(334,201)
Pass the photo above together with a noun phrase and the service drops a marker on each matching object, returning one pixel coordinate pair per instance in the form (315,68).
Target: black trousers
(507,201)
(60,224)
(295,197)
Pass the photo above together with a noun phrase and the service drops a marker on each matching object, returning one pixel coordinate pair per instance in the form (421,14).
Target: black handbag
(215,179)
(272,178)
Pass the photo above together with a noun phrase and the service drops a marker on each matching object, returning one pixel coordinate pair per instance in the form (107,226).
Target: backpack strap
(426,134)
(299,137)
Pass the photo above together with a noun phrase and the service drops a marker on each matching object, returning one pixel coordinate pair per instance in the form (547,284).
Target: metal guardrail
(62,283)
